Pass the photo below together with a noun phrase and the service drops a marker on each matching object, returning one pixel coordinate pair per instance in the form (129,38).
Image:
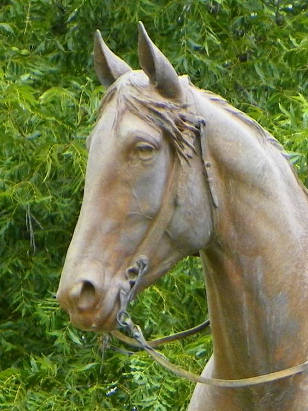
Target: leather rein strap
(164,340)
(138,340)
(156,231)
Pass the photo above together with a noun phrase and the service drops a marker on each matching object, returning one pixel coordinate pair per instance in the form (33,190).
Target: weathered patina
(174,170)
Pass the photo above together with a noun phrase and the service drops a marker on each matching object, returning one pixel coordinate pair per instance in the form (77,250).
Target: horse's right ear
(107,65)
(157,67)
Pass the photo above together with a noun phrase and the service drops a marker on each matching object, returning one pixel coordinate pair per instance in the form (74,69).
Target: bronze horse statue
(174,170)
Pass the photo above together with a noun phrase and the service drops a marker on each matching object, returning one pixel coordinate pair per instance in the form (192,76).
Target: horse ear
(157,67)
(107,65)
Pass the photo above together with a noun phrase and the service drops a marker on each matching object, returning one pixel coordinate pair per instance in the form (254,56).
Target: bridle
(136,273)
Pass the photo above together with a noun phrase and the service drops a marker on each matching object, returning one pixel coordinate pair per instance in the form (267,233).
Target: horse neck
(256,266)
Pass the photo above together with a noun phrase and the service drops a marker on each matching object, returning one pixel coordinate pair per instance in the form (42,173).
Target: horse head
(145,194)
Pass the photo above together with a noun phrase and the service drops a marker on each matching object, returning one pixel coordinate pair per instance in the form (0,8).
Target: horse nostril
(84,294)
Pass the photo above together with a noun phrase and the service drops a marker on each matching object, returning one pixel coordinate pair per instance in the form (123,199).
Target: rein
(138,340)
(164,340)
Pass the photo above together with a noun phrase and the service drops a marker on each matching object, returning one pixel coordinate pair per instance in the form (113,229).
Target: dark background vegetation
(252,52)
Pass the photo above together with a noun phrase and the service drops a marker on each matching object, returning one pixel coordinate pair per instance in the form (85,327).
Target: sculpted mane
(261,132)
(264,136)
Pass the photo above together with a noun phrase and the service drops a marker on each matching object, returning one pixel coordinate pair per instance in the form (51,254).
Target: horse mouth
(101,319)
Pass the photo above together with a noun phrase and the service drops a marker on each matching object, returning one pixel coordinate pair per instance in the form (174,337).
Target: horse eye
(145,150)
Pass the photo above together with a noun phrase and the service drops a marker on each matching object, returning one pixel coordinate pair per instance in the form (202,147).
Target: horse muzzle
(90,306)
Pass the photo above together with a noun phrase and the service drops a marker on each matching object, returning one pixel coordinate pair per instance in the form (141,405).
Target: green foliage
(254,53)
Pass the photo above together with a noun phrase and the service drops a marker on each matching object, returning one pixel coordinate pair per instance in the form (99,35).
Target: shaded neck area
(256,266)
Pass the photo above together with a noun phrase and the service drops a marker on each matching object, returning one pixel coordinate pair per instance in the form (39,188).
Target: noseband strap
(141,260)
(159,225)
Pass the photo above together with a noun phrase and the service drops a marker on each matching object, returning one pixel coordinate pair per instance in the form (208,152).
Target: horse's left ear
(157,67)
(107,65)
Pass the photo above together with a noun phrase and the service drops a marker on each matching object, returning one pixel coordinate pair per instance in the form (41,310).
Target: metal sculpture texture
(174,170)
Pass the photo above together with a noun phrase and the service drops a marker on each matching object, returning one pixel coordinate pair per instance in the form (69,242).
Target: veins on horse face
(139,211)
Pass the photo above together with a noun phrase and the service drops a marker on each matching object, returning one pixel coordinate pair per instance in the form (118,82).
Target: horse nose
(83,295)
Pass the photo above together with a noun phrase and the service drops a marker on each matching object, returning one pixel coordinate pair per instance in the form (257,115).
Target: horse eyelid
(147,141)
(144,146)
